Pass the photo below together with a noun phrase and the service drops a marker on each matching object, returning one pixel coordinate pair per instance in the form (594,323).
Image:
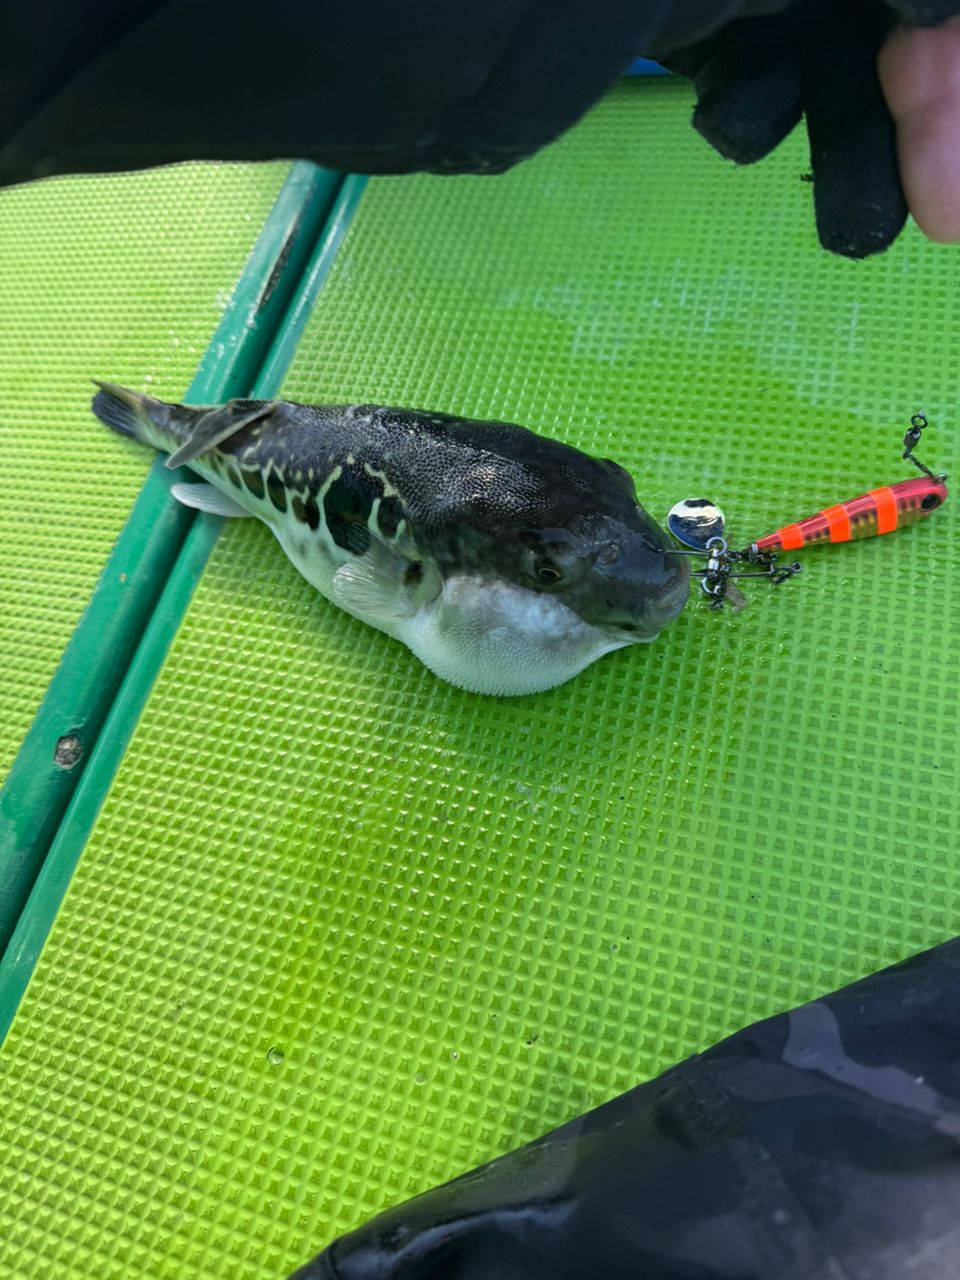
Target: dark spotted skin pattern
(515,533)
(469,494)
(505,561)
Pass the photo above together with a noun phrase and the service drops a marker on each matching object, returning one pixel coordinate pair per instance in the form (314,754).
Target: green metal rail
(96,695)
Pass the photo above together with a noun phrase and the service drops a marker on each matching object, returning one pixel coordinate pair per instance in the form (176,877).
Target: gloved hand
(818,58)
(477,86)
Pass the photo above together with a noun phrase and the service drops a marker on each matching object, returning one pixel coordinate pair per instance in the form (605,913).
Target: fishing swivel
(910,441)
(721,568)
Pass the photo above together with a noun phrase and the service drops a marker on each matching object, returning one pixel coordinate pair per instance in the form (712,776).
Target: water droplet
(420,1078)
(275,1057)
(455,1056)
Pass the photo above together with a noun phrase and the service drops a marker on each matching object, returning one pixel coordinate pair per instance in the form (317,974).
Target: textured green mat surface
(119,277)
(343,931)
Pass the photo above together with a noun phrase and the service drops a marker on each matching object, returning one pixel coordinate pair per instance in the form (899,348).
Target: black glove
(756,77)
(822,1143)
(467,87)
(368,85)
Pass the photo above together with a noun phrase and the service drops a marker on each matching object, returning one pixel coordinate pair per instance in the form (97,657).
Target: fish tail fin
(182,431)
(141,417)
(119,409)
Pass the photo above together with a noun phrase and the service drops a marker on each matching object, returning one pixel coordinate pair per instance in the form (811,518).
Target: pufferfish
(506,561)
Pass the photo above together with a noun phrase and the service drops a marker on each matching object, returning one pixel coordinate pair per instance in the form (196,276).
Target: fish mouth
(633,633)
(666,607)
(658,613)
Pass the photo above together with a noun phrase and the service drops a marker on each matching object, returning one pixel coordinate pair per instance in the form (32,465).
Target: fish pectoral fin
(214,427)
(204,497)
(384,583)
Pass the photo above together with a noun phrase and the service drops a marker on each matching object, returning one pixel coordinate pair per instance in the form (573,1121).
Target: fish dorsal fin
(385,583)
(204,497)
(215,426)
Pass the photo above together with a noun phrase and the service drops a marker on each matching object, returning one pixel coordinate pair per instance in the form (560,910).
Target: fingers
(919,70)
(858,199)
(748,93)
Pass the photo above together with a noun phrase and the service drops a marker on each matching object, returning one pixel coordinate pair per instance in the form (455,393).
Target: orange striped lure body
(879,511)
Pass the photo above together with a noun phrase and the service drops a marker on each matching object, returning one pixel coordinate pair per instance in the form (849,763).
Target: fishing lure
(699,525)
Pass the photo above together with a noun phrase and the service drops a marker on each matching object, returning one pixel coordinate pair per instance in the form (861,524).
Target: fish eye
(548,573)
(930,501)
(608,553)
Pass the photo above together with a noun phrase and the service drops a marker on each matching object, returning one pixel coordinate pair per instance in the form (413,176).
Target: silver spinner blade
(695,521)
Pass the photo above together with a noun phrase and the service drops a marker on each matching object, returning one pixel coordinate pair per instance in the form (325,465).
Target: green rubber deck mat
(123,277)
(342,931)
(98,691)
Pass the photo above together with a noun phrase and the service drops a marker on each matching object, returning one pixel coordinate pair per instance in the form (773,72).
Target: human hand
(919,70)
(880,104)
